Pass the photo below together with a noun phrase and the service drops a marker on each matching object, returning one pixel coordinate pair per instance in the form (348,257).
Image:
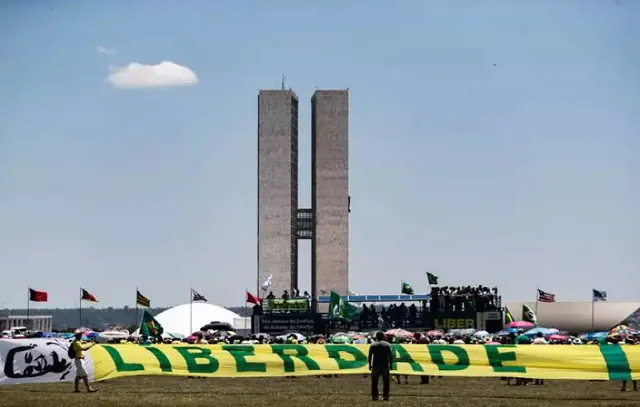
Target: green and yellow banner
(608,362)
(46,361)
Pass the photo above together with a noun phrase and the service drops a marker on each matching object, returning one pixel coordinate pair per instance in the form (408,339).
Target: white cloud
(106,51)
(164,74)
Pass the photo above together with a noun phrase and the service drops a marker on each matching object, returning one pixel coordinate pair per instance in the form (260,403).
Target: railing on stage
(325,299)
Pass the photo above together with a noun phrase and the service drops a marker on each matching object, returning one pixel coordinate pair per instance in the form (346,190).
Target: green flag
(508,318)
(339,309)
(150,327)
(528,315)
(433,279)
(406,289)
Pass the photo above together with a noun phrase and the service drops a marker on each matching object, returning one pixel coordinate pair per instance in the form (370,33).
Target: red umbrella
(520,325)
(435,333)
(557,337)
(399,333)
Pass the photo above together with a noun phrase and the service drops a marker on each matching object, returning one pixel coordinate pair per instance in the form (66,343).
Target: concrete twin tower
(281,223)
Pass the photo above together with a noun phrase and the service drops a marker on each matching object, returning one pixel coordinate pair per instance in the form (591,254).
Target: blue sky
(491,142)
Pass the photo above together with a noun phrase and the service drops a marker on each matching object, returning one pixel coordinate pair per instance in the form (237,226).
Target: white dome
(176,320)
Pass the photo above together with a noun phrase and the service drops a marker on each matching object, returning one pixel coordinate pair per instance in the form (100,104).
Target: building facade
(330,192)
(580,317)
(42,323)
(280,222)
(278,188)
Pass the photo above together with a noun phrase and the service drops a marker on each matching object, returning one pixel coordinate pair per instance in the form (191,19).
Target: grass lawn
(313,391)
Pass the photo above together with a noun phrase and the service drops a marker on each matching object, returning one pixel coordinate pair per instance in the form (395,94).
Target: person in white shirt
(539,341)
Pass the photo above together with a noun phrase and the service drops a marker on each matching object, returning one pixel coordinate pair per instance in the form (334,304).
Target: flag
(150,327)
(528,315)
(406,289)
(141,300)
(339,309)
(267,283)
(253,299)
(508,318)
(545,296)
(196,296)
(599,295)
(87,296)
(433,279)
(38,296)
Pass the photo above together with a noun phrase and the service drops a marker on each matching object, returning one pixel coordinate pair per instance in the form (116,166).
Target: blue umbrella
(590,336)
(544,331)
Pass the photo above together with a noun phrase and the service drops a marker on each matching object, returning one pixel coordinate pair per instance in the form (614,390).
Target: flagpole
(137,306)
(80,310)
(536,307)
(28,307)
(246,290)
(190,311)
(140,324)
(593,311)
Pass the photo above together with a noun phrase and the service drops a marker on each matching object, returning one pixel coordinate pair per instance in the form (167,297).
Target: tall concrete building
(330,191)
(278,188)
(280,222)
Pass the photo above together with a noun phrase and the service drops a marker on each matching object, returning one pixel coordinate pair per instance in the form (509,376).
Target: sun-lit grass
(313,391)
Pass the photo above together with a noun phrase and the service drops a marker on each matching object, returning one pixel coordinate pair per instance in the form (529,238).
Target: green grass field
(312,392)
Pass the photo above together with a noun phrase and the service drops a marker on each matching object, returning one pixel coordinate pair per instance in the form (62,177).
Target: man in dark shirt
(380,363)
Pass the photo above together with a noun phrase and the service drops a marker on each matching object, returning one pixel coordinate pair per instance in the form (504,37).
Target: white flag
(267,283)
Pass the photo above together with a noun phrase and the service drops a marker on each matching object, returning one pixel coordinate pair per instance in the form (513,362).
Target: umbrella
(341,339)
(223,333)
(299,337)
(435,333)
(540,330)
(557,337)
(462,332)
(520,325)
(217,326)
(622,330)
(481,334)
(399,333)
(595,335)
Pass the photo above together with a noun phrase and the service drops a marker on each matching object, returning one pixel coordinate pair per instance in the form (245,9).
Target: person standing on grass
(77,350)
(539,341)
(380,364)
(624,385)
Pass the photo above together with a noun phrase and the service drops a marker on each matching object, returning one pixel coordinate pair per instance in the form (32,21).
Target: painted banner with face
(38,360)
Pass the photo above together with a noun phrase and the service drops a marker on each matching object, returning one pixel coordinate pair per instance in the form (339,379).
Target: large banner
(38,361)
(292,304)
(33,361)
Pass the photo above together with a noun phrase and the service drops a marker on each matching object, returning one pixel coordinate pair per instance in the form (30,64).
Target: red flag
(38,296)
(252,299)
(87,296)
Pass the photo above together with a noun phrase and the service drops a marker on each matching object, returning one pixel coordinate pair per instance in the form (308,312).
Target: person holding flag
(267,283)
(529,315)
(508,318)
(433,279)
(599,295)
(406,289)
(150,327)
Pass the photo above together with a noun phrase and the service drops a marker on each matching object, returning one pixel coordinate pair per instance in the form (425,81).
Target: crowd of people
(417,314)
(464,299)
